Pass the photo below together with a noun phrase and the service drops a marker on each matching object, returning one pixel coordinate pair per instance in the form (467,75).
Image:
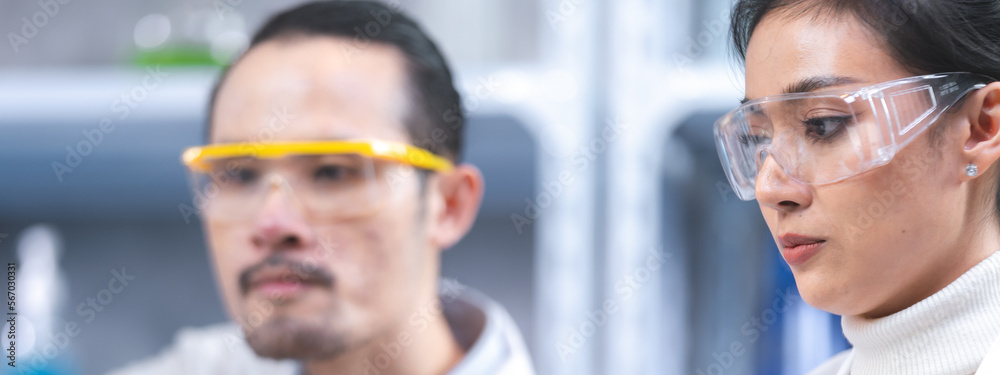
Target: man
(328,191)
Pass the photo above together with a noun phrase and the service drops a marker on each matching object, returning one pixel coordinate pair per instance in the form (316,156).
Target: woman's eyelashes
(825,128)
(748,139)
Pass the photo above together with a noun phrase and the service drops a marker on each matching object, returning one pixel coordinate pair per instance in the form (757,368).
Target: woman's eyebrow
(814,83)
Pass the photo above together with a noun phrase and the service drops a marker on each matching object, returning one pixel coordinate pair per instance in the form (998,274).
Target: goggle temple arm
(942,92)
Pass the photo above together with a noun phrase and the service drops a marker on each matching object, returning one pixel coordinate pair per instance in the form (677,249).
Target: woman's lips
(798,249)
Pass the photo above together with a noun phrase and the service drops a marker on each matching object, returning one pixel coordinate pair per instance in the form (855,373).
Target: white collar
(949,332)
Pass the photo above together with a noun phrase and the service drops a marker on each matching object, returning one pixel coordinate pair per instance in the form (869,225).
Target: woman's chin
(827,293)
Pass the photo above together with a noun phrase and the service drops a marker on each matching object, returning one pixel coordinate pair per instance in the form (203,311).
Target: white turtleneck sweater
(949,332)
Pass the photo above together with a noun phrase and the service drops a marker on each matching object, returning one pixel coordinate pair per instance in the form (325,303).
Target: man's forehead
(308,126)
(316,86)
(323,52)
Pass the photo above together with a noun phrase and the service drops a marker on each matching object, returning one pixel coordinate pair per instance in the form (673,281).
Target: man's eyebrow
(812,84)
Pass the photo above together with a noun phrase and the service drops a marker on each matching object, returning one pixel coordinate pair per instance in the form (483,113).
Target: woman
(869,137)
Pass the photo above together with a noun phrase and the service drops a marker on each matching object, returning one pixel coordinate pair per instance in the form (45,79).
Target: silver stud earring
(971,170)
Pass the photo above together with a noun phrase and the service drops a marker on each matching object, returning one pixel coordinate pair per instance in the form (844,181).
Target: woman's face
(886,238)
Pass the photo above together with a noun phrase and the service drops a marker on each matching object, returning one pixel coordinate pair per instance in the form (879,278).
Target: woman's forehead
(786,52)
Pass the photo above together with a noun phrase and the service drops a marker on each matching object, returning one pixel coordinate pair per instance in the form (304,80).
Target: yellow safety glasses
(327,180)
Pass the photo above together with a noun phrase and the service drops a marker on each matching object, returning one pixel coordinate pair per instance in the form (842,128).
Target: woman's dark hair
(923,36)
(436,121)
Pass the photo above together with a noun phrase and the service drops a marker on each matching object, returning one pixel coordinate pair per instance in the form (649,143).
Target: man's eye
(821,128)
(331,173)
(245,175)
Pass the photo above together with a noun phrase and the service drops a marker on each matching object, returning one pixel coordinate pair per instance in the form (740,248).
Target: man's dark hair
(436,120)
(923,36)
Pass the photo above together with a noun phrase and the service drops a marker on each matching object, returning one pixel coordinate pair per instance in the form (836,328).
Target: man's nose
(281,222)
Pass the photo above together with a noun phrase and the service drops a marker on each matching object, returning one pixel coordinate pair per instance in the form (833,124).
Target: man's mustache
(291,271)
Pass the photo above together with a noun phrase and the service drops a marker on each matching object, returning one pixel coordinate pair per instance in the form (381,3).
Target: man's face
(307,288)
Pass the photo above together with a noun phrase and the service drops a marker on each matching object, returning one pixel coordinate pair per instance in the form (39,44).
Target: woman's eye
(753,139)
(825,127)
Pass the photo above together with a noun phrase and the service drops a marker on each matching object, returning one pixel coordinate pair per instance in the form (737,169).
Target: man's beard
(283,337)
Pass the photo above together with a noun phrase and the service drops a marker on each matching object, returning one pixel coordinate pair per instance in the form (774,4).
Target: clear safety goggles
(328,180)
(825,137)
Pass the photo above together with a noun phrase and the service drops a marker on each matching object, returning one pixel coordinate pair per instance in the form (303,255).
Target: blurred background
(98,98)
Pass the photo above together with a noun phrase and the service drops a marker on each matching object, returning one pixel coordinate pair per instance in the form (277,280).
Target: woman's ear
(982,142)
(459,192)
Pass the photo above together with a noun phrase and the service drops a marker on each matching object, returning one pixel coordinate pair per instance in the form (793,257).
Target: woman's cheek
(899,188)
